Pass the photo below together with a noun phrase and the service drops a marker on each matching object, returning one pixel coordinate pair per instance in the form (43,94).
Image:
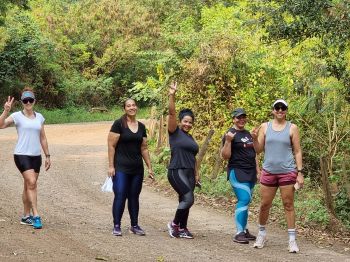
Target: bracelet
(47,155)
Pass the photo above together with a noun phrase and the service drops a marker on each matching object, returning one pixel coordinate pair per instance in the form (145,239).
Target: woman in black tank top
(182,170)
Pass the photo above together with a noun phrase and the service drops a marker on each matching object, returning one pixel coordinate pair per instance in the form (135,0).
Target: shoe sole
(23,223)
(37,227)
(187,237)
(170,231)
(117,235)
(240,242)
(137,233)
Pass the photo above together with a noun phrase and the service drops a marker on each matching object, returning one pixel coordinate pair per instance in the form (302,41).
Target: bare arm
(295,135)
(172,124)
(226,148)
(45,147)
(112,142)
(4,120)
(146,157)
(258,135)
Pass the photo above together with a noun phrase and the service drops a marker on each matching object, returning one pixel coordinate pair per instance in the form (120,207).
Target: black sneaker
(137,230)
(240,238)
(249,236)
(117,230)
(173,230)
(185,233)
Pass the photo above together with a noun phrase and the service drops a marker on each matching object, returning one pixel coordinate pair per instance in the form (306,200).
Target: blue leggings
(243,191)
(126,186)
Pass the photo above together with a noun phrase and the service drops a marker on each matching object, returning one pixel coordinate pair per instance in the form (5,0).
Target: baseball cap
(27,94)
(238,112)
(280,101)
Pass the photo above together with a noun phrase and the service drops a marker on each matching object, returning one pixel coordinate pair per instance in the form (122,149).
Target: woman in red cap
(27,154)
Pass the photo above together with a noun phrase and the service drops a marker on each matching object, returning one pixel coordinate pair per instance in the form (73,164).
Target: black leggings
(183,181)
(126,186)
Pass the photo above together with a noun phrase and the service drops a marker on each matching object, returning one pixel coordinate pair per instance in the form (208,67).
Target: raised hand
(8,104)
(229,136)
(254,133)
(173,88)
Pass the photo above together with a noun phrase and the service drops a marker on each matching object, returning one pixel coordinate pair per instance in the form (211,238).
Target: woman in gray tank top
(279,139)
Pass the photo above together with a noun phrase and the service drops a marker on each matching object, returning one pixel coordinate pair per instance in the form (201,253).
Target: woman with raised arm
(27,154)
(127,146)
(282,168)
(182,170)
(242,170)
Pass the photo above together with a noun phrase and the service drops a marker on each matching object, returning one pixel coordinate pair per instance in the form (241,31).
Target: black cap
(238,112)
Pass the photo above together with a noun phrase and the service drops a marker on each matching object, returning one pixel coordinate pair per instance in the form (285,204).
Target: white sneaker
(260,241)
(293,247)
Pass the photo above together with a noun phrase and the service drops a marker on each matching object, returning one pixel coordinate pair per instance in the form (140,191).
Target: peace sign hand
(8,104)
(254,133)
(173,87)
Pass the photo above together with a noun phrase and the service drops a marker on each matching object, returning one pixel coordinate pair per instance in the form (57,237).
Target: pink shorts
(276,180)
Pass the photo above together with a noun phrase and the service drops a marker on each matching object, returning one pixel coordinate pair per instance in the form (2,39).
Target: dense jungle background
(79,55)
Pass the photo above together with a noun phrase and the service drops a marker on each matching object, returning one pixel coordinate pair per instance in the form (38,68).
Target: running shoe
(293,247)
(37,223)
(249,236)
(137,230)
(260,241)
(240,238)
(117,230)
(173,230)
(184,233)
(27,220)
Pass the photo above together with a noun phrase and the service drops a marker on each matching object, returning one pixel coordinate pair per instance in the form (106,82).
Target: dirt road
(78,221)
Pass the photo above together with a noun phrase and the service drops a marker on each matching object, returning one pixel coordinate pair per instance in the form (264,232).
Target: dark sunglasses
(30,100)
(278,107)
(241,117)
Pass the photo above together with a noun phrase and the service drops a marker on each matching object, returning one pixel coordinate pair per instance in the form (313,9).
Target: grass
(80,114)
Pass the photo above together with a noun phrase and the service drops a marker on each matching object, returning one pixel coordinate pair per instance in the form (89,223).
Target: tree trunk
(204,148)
(160,134)
(217,165)
(326,186)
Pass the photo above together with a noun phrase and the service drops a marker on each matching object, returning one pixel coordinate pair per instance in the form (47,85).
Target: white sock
(292,234)
(262,230)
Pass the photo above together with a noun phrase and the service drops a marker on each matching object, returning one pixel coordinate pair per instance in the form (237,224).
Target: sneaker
(184,233)
(249,236)
(37,223)
(240,238)
(293,247)
(260,241)
(28,220)
(137,230)
(173,230)
(117,231)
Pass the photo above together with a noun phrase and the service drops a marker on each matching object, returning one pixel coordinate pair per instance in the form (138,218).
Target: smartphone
(296,186)
(199,185)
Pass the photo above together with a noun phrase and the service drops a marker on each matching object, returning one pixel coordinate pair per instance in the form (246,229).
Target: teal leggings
(244,192)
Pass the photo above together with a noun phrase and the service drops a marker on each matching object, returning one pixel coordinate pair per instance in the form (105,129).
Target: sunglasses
(282,107)
(241,117)
(29,100)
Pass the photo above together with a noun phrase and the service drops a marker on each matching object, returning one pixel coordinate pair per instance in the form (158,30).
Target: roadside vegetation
(80,55)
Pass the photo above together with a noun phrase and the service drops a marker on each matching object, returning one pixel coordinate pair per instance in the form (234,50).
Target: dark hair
(186,112)
(124,117)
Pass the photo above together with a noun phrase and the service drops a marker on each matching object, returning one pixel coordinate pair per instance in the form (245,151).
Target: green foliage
(342,206)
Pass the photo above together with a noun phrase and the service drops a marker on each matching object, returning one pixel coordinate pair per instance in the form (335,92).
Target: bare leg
(267,194)
(30,190)
(287,195)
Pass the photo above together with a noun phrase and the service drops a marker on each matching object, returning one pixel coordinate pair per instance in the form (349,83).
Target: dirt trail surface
(78,221)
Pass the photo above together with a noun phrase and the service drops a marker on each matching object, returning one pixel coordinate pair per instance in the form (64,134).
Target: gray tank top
(279,156)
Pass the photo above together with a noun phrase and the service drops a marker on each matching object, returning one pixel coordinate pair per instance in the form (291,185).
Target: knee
(188,201)
(30,184)
(288,205)
(265,206)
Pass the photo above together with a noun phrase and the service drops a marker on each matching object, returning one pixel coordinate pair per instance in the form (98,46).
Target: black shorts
(24,163)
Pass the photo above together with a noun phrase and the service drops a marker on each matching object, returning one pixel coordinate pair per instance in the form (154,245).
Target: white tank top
(28,131)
